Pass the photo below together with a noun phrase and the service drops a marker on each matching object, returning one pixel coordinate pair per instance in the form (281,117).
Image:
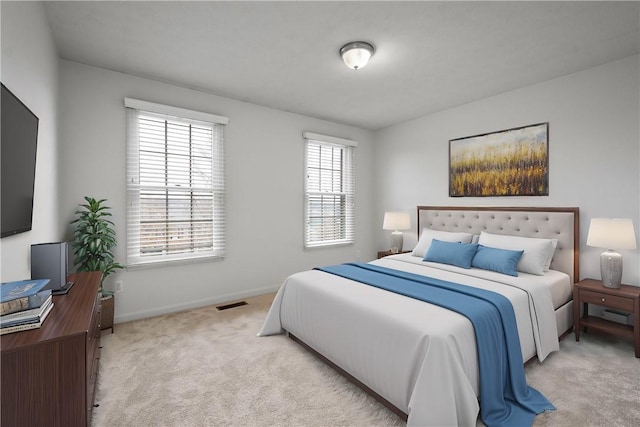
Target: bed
(421,359)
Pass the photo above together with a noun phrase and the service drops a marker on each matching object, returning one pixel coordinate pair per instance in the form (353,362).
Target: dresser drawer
(612,301)
(93,354)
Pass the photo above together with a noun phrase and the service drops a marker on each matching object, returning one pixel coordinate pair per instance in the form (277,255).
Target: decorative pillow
(537,252)
(453,253)
(503,261)
(446,236)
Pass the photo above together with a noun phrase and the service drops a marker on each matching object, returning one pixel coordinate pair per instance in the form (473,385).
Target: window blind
(329,190)
(175,186)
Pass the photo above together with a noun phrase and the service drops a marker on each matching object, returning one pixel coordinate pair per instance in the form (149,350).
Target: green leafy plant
(94,239)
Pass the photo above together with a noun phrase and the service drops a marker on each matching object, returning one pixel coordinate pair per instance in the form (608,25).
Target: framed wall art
(511,162)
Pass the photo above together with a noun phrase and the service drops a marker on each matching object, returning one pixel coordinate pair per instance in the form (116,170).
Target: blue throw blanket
(505,397)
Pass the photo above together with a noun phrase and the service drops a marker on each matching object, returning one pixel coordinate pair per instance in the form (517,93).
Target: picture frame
(510,162)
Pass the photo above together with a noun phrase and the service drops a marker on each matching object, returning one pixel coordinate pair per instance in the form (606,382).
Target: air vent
(232,305)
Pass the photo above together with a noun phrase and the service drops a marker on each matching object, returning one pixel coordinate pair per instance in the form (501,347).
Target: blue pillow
(453,253)
(501,260)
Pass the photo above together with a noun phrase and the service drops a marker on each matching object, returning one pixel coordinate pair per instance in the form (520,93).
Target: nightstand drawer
(625,304)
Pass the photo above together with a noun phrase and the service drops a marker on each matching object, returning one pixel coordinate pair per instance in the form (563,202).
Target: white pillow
(537,252)
(547,265)
(446,236)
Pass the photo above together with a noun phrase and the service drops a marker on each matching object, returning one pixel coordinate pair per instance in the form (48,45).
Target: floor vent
(233,305)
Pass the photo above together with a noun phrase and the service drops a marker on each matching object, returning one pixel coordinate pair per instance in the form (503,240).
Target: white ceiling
(430,55)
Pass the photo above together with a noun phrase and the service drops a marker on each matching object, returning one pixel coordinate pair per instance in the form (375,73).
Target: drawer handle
(604,299)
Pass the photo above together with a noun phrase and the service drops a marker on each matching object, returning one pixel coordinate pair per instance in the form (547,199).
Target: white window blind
(329,190)
(175,184)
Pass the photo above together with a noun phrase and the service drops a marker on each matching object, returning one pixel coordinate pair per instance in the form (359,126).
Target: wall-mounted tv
(19,139)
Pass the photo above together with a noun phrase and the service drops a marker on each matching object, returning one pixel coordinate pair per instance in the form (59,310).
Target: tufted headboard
(544,222)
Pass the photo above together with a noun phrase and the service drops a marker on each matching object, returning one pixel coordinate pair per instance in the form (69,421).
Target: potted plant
(93,241)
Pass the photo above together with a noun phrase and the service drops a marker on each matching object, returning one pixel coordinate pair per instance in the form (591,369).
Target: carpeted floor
(204,367)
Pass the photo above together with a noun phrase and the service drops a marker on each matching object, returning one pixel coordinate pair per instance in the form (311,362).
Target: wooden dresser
(49,374)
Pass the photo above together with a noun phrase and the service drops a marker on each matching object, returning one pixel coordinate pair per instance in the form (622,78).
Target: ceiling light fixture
(356,55)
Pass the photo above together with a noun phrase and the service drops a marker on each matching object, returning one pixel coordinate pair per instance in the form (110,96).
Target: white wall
(29,68)
(594,158)
(264,177)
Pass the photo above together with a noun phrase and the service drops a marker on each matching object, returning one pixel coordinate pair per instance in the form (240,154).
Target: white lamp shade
(611,233)
(356,55)
(396,221)
(356,58)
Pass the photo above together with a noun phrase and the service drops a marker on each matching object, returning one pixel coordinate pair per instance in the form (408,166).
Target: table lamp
(396,221)
(611,233)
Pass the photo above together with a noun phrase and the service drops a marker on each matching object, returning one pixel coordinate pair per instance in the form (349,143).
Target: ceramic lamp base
(611,268)
(396,242)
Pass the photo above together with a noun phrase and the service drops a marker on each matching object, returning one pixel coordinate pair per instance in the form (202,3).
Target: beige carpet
(204,367)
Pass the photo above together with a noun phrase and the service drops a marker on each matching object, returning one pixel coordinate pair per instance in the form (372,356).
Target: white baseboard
(144,314)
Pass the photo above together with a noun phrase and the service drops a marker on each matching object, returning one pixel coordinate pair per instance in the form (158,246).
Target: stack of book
(24,305)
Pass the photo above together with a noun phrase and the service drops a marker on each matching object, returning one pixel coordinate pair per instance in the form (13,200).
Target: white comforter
(420,357)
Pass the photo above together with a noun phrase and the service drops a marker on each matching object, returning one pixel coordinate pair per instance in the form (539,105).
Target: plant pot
(106,314)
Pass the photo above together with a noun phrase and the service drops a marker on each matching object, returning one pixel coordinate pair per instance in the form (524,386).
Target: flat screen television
(19,139)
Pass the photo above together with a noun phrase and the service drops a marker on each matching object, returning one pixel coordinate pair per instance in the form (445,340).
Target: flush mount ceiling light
(356,54)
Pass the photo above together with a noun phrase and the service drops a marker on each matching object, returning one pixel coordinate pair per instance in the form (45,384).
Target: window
(329,190)
(175,184)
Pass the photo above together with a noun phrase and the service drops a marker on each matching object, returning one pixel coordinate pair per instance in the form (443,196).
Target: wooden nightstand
(626,298)
(382,254)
